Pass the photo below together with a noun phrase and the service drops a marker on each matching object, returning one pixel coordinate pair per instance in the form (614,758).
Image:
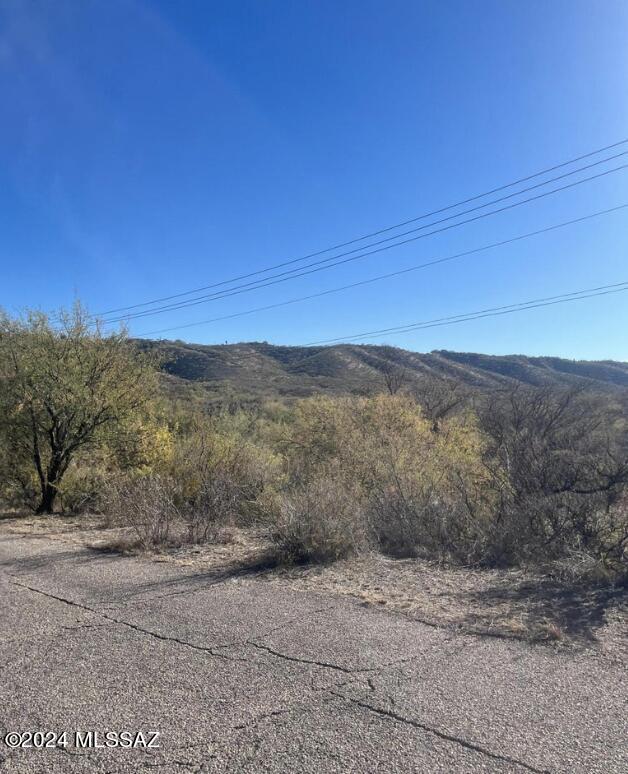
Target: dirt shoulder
(517,604)
(239,672)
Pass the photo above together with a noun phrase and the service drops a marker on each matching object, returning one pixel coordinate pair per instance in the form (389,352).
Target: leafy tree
(64,388)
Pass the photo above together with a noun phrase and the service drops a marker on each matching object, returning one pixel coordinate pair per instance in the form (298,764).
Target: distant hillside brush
(247,374)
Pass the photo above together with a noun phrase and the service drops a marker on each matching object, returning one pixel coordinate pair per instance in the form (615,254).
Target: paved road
(240,676)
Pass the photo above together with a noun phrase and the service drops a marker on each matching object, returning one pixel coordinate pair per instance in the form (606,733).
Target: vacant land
(366,665)
(429,576)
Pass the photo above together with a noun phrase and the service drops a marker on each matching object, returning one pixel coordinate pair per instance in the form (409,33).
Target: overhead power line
(370,235)
(578,295)
(289,275)
(390,275)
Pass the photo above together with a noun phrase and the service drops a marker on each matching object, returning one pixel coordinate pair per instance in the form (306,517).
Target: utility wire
(279,278)
(227,292)
(389,275)
(578,295)
(355,240)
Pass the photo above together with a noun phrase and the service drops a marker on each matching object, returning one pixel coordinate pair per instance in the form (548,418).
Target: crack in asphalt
(185,643)
(283,625)
(264,716)
(298,709)
(85,626)
(387,713)
(213,651)
(391,715)
(136,628)
(312,662)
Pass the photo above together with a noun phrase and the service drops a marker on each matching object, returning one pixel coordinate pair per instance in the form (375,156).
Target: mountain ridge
(254,370)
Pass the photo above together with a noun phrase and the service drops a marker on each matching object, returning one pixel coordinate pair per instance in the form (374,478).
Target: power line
(495,311)
(263,283)
(389,275)
(370,235)
(281,277)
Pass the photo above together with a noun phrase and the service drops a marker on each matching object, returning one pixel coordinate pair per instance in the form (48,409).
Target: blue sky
(150,148)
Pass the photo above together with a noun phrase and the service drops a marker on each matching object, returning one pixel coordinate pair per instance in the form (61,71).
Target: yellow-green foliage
(371,440)
(217,461)
(143,445)
(415,486)
(66,392)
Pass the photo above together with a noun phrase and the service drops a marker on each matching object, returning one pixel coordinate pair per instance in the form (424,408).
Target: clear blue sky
(147,148)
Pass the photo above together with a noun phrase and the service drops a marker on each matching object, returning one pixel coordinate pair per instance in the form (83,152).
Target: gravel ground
(242,672)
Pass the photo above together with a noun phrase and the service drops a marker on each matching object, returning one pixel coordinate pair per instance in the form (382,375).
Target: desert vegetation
(414,468)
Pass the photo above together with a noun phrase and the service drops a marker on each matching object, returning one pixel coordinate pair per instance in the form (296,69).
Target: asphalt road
(238,675)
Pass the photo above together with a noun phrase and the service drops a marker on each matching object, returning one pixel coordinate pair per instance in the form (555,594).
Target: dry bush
(558,465)
(320,521)
(219,481)
(538,477)
(210,479)
(421,489)
(147,505)
(399,519)
(440,398)
(410,520)
(215,503)
(616,538)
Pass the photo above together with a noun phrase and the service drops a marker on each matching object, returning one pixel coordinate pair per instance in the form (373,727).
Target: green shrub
(83,489)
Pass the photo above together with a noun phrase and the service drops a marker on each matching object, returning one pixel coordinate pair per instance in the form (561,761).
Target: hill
(254,370)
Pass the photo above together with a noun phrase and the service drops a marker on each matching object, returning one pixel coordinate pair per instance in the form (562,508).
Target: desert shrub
(421,490)
(84,489)
(424,484)
(530,476)
(19,485)
(558,465)
(220,477)
(319,521)
(410,519)
(615,539)
(208,473)
(440,398)
(217,500)
(147,505)
(143,445)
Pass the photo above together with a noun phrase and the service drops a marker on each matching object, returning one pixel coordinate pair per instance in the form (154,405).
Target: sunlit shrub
(420,490)
(84,489)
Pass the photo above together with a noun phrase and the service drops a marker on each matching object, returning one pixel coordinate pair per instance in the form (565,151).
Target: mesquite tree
(64,387)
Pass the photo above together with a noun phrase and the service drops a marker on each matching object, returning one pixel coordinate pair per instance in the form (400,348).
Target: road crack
(313,662)
(392,715)
(135,627)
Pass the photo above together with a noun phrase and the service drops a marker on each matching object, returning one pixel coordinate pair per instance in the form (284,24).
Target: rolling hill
(255,370)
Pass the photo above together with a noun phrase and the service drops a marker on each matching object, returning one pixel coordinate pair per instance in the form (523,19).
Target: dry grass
(71,527)
(510,603)
(501,603)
